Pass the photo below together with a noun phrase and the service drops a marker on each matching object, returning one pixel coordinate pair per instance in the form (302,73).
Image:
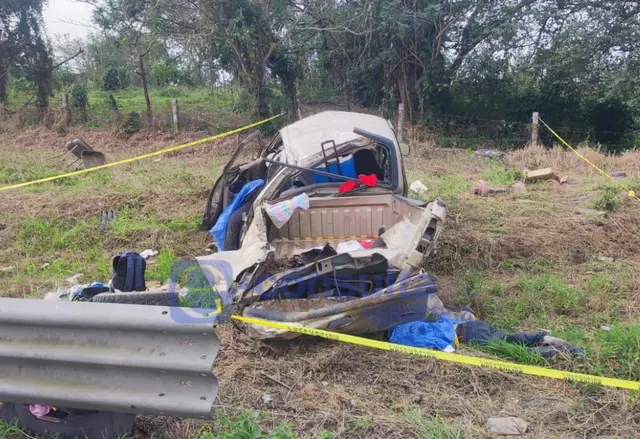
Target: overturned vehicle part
(307,247)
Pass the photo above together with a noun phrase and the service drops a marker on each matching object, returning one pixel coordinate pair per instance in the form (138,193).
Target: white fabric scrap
(349,246)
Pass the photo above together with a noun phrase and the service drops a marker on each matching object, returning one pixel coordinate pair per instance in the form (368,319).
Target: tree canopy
(574,61)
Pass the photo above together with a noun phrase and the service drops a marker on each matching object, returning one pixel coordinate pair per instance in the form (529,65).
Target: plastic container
(347,166)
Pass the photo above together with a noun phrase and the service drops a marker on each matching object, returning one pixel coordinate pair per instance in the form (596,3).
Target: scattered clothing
(148,253)
(78,292)
(439,335)
(445,334)
(367,243)
(218,231)
(281,212)
(347,187)
(38,410)
(482,333)
(368,180)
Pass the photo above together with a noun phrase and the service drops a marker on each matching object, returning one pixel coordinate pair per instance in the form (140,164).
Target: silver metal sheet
(122,358)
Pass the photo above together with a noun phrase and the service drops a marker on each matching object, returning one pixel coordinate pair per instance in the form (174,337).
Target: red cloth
(367,243)
(347,186)
(367,180)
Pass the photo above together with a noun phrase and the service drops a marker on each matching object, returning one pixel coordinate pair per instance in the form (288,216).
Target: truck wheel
(139,298)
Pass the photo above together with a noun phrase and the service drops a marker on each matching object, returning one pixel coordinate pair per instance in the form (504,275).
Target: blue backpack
(128,272)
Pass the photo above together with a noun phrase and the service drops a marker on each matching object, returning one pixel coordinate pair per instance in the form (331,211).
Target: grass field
(201,109)
(507,257)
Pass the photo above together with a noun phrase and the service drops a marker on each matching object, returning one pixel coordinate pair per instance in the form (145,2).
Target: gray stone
(507,426)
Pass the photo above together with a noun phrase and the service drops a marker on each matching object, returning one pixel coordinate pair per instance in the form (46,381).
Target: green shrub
(608,199)
(79,97)
(132,123)
(171,92)
(111,80)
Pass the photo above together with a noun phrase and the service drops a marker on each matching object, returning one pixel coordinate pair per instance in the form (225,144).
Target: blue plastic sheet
(437,335)
(219,229)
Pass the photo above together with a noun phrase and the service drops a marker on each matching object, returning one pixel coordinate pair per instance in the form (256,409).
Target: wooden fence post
(174,110)
(66,110)
(535,129)
(399,133)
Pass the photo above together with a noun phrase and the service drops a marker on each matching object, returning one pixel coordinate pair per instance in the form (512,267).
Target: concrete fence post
(174,111)
(535,129)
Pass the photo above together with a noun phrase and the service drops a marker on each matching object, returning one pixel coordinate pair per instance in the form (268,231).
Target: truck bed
(334,220)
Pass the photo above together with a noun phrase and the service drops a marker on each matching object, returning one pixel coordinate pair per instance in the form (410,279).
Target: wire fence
(450,130)
(220,110)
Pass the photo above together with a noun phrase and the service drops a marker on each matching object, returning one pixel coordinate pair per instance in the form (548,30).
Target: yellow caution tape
(444,356)
(140,157)
(631,193)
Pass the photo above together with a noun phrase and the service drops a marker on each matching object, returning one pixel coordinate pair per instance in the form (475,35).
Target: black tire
(139,298)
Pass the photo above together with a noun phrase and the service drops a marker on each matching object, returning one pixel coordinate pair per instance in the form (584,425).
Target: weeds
(11,430)
(428,428)
(608,199)
(499,175)
(161,270)
(514,352)
(129,220)
(38,237)
(448,187)
(549,294)
(246,426)
(618,351)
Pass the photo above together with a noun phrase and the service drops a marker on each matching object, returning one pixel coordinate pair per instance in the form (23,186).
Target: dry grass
(353,391)
(561,159)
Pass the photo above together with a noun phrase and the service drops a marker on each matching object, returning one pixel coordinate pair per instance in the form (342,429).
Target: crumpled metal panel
(121,358)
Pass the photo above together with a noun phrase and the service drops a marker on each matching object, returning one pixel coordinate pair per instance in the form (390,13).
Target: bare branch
(80,52)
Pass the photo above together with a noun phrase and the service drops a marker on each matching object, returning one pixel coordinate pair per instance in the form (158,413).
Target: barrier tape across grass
(630,192)
(140,157)
(445,356)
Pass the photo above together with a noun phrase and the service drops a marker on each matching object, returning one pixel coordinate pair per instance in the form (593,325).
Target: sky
(67,17)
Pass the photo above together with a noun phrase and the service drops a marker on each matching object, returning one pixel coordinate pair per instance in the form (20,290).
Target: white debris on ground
(148,253)
(418,187)
(73,280)
(507,426)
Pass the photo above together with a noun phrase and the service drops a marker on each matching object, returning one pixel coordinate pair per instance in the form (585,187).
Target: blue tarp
(219,229)
(437,335)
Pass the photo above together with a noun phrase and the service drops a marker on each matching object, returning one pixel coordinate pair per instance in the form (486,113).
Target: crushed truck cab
(296,244)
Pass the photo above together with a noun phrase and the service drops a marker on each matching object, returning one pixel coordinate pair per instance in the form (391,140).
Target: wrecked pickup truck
(318,230)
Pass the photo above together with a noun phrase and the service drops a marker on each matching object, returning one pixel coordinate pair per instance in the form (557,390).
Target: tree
(24,48)
(131,22)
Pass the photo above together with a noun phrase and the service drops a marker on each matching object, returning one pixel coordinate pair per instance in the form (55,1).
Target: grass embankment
(507,259)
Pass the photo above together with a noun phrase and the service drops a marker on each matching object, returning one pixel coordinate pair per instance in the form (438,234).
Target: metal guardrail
(121,358)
